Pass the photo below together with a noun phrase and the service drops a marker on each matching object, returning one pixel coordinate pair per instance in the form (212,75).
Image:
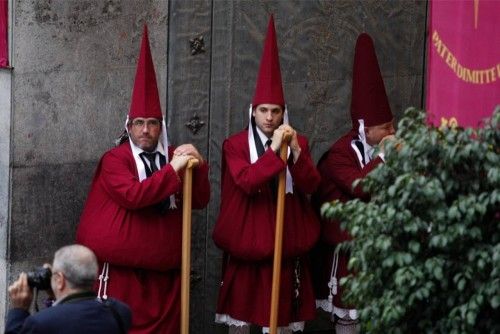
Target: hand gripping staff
(278,238)
(186,244)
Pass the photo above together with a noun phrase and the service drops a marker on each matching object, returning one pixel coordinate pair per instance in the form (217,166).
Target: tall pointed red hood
(269,88)
(369,100)
(145,100)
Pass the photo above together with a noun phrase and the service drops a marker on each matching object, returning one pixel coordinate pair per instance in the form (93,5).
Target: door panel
(188,88)
(316,41)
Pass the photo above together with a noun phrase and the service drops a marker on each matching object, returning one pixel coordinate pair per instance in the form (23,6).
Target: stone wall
(74,65)
(5,111)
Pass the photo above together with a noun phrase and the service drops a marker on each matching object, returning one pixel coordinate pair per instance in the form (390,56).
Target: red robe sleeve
(305,176)
(120,222)
(247,176)
(201,186)
(246,223)
(344,171)
(126,190)
(339,168)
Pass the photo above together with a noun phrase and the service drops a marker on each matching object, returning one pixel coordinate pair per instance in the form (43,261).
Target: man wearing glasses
(132,219)
(76,309)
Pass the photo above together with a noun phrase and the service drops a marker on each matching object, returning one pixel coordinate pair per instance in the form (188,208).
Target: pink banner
(463,69)
(4,42)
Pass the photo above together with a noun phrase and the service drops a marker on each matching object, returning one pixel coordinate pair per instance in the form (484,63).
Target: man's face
(375,133)
(268,117)
(57,282)
(145,132)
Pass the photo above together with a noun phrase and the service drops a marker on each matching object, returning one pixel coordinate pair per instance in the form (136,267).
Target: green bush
(426,248)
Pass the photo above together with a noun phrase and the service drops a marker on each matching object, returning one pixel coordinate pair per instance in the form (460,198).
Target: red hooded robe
(246,224)
(123,225)
(340,166)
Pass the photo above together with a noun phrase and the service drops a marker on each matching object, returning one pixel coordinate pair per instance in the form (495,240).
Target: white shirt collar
(136,151)
(368,151)
(160,147)
(262,136)
(367,148)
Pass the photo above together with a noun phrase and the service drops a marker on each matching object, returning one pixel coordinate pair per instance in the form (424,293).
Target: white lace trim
(324,304)
(293,326)
(344,313)
(228,320)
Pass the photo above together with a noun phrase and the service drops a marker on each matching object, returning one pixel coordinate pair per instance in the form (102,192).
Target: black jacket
(75,314)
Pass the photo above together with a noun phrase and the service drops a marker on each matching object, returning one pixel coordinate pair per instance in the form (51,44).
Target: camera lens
(39,278)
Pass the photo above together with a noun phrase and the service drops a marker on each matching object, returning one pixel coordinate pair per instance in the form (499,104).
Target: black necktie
(274,181)
(151,156)
(152,161)
(151,168)
(268,143)
(361,149)
(258,143)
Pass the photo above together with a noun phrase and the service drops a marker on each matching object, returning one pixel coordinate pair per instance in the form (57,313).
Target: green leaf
(461,284)
(471,317)
(495,301)
(438,273)
(428,242)
(414,246)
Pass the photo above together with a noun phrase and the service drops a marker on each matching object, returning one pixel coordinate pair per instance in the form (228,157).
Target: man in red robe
(350,158)
(246,224)
(132,219)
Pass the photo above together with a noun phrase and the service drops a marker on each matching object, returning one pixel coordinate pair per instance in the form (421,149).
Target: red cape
(339,168)
(121,224)
(245,230)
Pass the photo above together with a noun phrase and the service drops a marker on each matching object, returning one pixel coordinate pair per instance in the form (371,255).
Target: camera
(40,278)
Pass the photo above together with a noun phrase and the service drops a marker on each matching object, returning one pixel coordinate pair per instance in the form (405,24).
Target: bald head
(78,264)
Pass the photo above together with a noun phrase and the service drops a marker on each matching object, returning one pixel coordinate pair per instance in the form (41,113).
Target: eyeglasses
(149,122)
(54,273)
(57,273)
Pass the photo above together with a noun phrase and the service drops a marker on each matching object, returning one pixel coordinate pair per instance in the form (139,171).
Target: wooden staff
(278,238)
(186,244)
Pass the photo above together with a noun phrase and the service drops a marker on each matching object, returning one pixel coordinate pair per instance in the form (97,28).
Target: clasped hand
(277,139)
(183,154)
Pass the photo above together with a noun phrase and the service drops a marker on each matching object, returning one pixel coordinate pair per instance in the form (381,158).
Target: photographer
(76,309)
